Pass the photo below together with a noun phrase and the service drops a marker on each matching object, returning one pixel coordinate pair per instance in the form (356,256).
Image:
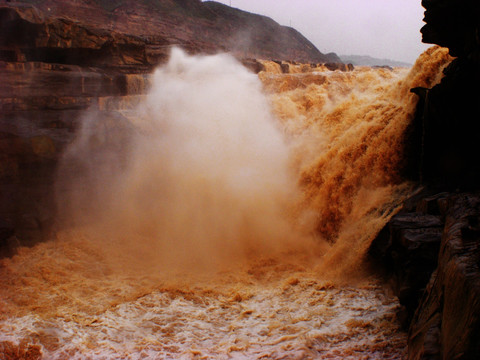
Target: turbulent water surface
(226,215)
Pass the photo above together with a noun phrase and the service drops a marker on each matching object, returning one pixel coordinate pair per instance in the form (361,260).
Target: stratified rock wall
(431,254)
(144,30)
(41,106)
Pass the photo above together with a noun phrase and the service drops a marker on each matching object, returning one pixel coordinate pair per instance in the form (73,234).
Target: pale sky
(379,28)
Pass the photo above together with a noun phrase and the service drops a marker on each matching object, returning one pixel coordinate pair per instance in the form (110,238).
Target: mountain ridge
(367,60)
(199,27)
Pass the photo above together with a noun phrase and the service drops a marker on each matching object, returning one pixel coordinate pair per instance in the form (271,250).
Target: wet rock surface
(431,256)
(407,249)
(447,322)
(41,106)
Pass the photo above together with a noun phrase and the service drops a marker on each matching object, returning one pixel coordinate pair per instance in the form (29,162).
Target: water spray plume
(202,179)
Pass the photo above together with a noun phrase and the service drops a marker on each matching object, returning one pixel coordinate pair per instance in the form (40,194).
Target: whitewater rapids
(226,216)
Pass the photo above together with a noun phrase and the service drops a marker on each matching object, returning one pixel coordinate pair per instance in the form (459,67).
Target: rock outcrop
(407,249)
(431,253)
(447,322)
(41,106)
(137,33)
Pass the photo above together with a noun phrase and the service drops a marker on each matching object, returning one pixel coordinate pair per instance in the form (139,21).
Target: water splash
(201,180)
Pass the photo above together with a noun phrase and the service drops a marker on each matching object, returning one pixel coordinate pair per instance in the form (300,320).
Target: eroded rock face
(447,322)
(41,106)
(431,254)
(407,250)
(138,33)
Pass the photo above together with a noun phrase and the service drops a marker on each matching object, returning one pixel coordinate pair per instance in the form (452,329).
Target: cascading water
(226,216)
(346,130)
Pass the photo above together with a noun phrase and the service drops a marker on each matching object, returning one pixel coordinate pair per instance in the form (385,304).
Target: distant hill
(199,27)
(260,36)
(365,60)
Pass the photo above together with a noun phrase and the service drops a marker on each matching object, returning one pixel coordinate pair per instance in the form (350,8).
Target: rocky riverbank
(431,253)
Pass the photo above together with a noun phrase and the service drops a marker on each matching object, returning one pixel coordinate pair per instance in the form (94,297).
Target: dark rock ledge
(447,322)
(407,249)
(430,252)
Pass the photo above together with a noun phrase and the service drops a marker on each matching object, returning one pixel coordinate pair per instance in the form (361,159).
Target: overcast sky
(379,28)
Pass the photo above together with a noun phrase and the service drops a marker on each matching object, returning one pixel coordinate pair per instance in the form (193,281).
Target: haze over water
(378,28)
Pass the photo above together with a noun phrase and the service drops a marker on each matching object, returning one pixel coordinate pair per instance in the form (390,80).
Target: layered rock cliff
(447,322)
(127,32)
(431,251)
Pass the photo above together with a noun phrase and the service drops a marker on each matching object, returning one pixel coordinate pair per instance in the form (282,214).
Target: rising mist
(199,175)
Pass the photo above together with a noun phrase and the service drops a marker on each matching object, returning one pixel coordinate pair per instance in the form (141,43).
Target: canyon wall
(140,33)
(431,253)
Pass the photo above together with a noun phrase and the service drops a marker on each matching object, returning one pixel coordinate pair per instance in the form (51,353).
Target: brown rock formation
(447,323)
(431,252)
(140,32)
(407,249)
